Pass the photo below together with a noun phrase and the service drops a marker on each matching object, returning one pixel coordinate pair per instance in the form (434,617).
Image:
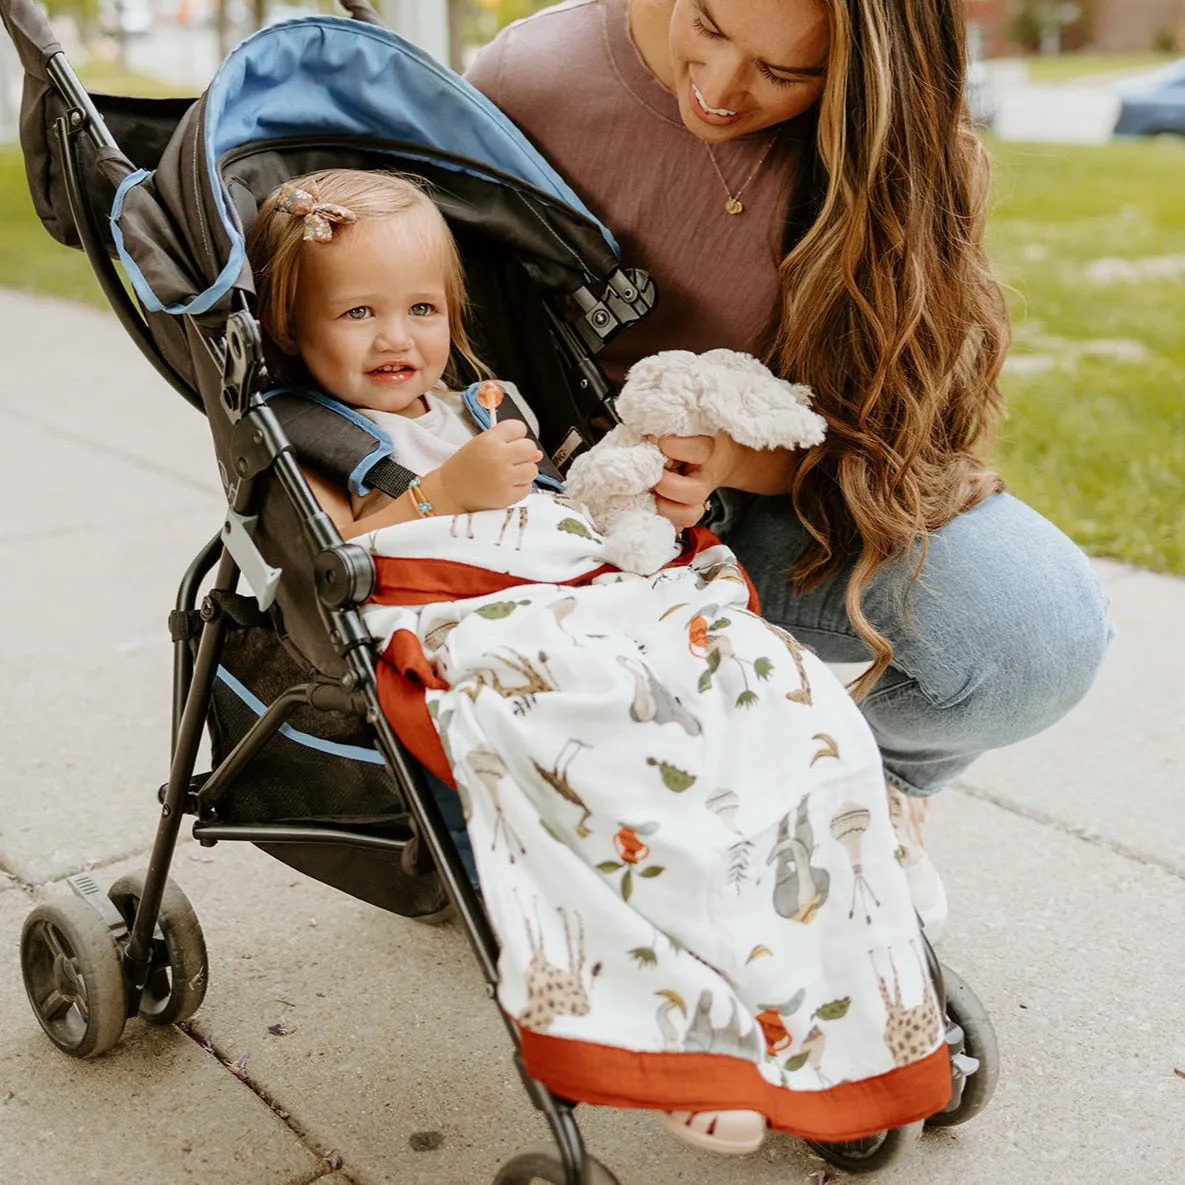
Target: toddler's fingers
(508,430)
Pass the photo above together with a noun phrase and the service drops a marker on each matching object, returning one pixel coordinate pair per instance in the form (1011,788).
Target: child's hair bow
(318,216)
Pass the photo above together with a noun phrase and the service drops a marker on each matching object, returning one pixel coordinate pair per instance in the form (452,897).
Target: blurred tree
(85,12)
(488,16)
(1051,27)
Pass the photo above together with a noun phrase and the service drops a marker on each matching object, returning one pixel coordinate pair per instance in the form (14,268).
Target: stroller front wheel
(73,975)
(546,1168)
(972,1039)
(179,968)
(870,1153)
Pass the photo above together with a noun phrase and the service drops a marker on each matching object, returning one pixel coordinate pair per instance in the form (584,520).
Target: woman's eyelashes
(715,35)
(780,79)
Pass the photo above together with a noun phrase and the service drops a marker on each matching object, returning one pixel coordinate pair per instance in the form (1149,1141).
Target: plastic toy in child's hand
(678,393)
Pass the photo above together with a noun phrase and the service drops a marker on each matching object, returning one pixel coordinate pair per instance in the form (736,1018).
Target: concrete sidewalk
(1064,858)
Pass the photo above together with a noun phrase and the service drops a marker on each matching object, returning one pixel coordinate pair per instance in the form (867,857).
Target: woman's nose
(721,82)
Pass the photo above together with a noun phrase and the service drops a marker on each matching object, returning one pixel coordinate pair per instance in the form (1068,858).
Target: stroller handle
(31,33)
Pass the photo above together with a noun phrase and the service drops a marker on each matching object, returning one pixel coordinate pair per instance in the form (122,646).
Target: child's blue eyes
(363,312)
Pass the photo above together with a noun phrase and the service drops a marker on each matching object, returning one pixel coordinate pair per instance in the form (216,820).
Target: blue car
(1153,105)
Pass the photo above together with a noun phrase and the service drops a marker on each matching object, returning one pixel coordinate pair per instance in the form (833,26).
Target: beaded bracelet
(422,505)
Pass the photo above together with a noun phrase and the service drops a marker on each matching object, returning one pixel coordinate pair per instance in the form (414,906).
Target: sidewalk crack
(330,1160)
(1085,834)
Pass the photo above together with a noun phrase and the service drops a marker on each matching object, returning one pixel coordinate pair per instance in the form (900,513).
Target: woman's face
(743,65)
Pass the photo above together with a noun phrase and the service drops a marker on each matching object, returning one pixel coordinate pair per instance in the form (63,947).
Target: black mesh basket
(321,768)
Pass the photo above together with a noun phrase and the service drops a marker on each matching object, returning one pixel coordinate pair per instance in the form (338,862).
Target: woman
(801,179)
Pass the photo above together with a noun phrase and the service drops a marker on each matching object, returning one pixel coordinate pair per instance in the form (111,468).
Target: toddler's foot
(908,813)
(733,1133)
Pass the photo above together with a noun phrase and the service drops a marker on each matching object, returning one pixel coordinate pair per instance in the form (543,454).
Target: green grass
(108,77)
(29,258)
(1071,67)
(1095,437)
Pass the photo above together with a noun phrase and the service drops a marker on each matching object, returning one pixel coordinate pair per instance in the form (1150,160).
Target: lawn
(1091,241)
(1072,67)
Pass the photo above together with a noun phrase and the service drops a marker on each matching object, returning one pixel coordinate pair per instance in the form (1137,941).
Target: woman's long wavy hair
(889,310)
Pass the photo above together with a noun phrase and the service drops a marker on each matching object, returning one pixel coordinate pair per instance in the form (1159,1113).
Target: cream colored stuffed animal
(678,393)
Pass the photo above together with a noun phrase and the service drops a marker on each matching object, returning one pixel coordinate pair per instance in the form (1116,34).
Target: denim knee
(1021,638)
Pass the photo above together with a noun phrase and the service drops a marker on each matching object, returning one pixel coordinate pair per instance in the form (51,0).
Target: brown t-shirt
(573,81)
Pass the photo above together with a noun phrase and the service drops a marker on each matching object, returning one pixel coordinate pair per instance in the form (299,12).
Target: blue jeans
(1003,633)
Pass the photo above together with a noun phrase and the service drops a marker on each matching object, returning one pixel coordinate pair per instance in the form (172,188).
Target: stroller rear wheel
(546,1168)
(871,1153)
(975,1056)
(73,975)
(179,968)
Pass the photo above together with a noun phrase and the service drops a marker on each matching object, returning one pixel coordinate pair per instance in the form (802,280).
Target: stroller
(305,764)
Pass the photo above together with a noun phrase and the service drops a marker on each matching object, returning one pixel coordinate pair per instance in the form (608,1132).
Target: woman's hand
(494,470)
(702,464)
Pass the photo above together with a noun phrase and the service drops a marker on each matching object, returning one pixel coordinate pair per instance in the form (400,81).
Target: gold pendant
(733,206)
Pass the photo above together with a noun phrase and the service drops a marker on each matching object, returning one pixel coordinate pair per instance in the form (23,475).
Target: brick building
(987,25)
(1133,26)
(1106,26)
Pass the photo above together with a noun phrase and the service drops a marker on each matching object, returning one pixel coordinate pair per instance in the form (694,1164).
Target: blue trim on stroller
(384,448)
(333,748)
(334,76)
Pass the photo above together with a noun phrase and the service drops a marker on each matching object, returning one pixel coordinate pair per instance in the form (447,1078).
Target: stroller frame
(344,578)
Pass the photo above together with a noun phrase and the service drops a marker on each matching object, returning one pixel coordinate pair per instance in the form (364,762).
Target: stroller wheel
(546,1168)
(73,975)
(872,1152)
(179,969)
(975,1056)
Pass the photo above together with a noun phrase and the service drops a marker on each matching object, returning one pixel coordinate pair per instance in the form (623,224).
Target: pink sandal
(731,1133)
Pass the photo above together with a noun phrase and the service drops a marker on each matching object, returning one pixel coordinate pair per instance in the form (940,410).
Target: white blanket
(680,825)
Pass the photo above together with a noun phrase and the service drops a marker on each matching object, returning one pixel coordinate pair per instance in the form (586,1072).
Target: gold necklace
(732,201)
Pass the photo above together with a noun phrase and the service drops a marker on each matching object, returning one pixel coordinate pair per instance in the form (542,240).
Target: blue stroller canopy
(316,79)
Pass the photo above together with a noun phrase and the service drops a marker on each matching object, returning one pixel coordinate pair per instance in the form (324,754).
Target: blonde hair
(888,307)
(275,246)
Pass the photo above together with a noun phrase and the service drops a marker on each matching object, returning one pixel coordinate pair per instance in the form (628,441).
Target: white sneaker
(908,813)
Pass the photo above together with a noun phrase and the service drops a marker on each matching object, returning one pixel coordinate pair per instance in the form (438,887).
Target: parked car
(981,101)
(131,18)
(1153,104)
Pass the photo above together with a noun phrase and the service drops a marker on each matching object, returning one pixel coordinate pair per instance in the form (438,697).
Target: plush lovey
(678,393)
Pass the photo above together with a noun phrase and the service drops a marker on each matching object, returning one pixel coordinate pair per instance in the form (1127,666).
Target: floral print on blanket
(678,814)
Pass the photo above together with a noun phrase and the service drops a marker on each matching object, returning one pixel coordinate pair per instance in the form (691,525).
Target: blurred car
(1153,104)
(981,100)
(129,18)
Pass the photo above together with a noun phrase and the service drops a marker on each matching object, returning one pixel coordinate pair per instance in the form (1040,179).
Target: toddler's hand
(493,470)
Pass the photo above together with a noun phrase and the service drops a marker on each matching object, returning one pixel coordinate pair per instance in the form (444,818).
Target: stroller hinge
(243,367)
(628,296)
(259,574)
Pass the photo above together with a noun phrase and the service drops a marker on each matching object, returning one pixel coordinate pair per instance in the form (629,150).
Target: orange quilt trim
(403,675)
(422,581)
(612,1077)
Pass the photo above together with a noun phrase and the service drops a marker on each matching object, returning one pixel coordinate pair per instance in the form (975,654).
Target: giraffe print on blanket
(551,990)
